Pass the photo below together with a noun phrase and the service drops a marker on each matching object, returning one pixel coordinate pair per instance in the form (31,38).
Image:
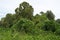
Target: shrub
(24,25)
(57,32)
(49,26)
(39,25)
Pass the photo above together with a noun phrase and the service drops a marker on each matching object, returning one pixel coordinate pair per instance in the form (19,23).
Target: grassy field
(8,34)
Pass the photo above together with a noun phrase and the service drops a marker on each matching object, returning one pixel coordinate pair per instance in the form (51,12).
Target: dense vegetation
(23,25)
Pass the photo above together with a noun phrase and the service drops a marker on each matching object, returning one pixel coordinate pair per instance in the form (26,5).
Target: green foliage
(39,25)
(7,34)
(50,15)
(58,21)
(25,10)
(49,26)
(24,25)
(8,20)
(39,18)
(41,12)
(57,32)
(0,23)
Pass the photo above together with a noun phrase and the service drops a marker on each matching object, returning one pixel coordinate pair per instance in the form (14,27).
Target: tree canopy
(23,19)
(24,10)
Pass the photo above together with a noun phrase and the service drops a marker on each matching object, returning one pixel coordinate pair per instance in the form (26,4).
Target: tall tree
(50,15)
(25,10)
(58,21)
(8,20)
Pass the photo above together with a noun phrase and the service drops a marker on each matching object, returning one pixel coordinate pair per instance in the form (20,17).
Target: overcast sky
(8,6)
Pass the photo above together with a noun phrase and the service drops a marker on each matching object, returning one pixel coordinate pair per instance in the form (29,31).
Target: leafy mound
(24,25)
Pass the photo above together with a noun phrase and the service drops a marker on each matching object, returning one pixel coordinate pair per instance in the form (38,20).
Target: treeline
(23,20)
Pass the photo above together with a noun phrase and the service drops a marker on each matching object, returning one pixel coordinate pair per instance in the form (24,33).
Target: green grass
(8,34)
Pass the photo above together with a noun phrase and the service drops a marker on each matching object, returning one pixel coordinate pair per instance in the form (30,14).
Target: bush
(49,26)
(24,25)
(57,32)
(39,25)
